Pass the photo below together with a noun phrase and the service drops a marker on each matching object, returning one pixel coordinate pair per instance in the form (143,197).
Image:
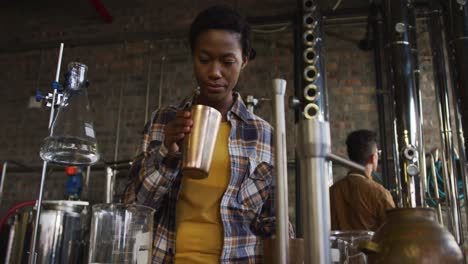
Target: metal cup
(199,145)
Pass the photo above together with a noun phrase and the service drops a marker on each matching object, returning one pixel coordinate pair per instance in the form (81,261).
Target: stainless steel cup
(199,145)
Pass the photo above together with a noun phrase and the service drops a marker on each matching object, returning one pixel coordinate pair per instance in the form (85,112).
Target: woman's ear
(245,61)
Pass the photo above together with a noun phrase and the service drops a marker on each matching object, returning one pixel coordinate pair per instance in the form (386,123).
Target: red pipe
(13,209)
(101,9)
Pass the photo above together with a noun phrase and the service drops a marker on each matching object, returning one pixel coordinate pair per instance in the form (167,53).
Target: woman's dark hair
(225,18)
(361,145)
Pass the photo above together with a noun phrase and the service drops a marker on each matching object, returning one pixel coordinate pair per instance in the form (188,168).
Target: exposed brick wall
(118,56)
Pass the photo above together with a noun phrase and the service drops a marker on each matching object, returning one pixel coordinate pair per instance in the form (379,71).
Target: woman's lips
(214,88)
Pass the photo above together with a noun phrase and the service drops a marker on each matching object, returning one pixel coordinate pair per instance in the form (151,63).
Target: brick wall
(118,56)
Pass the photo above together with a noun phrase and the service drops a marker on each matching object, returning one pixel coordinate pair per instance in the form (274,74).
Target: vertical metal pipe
(32,253)
(11,240)
(458,40)
(457,20)
(389,170)
(414,51)
(119,117)
(148,82)
(2,180)
(57,76)
(436,189)
(313,137)
(407,120)
(281,172)
(110,179)
(86,183)
(161,81)
(437,38)
(393,181)
(312,152)
(298,84)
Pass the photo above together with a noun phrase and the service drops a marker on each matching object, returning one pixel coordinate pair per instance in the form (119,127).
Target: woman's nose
(215,71)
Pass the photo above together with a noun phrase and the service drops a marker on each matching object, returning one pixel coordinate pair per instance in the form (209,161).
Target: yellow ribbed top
(199,229)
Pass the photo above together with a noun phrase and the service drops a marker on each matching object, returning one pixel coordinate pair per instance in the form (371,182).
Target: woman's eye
(229,62)
(203,60)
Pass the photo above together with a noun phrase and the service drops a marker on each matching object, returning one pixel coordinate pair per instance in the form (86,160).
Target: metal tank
(63,232)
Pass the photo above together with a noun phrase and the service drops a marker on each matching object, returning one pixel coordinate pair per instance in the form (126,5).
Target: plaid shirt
(247,206)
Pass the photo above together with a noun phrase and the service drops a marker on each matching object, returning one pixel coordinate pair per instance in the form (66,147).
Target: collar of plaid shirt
(247,207)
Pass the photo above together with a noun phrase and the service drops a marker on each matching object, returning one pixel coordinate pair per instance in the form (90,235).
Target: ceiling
(335,5)
(356,6)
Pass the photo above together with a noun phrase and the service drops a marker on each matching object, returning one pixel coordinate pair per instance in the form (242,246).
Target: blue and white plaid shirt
(247,206)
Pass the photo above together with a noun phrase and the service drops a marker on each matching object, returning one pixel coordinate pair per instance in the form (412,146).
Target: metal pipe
(148,83)
(457,40)
(406,103)
(311,104)
(436,189)
(110,180)
(57,76)
(2,180)
(294,104)
(345,162)
(110,173)
(418,99)
(281,172)
(85,192)
(161,78)
(384,102)
(458,28)
(437,38)
(376,20)
(117,136)
(33,254)
(11,240)
(312,152)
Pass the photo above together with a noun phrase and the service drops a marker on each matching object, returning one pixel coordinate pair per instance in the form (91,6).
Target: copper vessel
(200,143)
(412,235)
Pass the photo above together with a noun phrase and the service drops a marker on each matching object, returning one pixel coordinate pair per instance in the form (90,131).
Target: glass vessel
(121,234)
(72,140)
(345,246)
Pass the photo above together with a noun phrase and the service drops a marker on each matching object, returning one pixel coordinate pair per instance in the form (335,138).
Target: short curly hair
(361,144)
(225,18)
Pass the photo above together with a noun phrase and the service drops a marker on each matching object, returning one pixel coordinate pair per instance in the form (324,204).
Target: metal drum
(63,232)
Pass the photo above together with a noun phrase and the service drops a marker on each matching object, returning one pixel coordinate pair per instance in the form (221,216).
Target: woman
(223,218)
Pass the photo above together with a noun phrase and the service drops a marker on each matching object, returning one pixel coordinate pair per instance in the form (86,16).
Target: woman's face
(217,60)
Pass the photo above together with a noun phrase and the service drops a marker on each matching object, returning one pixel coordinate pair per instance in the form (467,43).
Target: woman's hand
(176,130)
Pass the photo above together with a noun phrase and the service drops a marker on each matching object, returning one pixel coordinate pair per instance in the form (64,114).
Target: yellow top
(199,229)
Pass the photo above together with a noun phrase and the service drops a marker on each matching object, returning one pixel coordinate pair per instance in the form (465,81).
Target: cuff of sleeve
(163,151)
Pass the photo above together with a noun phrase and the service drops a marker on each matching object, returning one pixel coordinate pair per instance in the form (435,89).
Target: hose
(431,200)
(13,210)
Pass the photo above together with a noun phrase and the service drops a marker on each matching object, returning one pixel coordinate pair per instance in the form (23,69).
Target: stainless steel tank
(63,232)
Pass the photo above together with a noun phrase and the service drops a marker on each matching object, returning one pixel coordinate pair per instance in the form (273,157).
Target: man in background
(357,202)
